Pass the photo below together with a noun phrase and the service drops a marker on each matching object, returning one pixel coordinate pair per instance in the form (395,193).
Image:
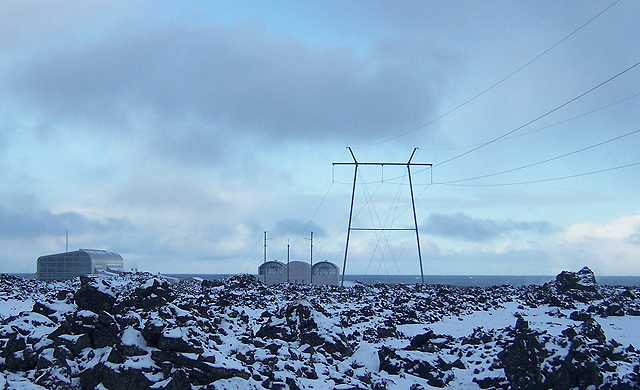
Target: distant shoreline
(453,280)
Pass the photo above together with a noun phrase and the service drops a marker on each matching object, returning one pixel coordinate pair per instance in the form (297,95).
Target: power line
(543,161)
(544,180)
(540,116)
(542,128)
(315,212)
(495,84)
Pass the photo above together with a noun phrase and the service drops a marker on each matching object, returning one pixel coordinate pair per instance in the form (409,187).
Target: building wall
(299,272)
(63,266)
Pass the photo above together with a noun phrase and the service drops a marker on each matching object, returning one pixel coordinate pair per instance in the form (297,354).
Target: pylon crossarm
(379,229)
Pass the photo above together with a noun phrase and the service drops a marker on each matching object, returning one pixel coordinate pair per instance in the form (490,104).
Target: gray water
(453,280)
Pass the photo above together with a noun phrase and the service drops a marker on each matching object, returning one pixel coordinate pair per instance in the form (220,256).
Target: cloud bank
(462,226)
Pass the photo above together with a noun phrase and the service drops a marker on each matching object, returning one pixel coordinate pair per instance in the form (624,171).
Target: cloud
(295,227)
(239,77)
(465,227)
(626,228)
(31,224)
(635,237)
(23,22)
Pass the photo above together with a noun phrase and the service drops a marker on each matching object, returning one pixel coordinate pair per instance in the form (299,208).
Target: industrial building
(299,272)
(68,265)
(325,273)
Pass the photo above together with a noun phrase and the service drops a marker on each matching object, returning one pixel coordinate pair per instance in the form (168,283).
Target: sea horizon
(453,280)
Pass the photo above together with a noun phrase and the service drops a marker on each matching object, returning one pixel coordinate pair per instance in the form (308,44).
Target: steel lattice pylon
(408,164)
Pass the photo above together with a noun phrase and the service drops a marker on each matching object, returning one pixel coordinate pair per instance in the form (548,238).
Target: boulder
(583,280)
(522,356)
(94,297)
(242,281)
(394,364)
(174,340)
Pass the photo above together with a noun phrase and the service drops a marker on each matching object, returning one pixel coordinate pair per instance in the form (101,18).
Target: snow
(622,329)
(11,307)
(366,356)
(132,337)
(367,320)
(17,382)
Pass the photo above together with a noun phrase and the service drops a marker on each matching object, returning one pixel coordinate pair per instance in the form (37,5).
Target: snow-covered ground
(136,331)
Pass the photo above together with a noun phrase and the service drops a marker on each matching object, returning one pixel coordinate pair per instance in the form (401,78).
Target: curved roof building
(271,272)
(68,265)
(325,273)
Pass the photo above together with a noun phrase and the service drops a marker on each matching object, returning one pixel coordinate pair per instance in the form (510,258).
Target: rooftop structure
(68,265)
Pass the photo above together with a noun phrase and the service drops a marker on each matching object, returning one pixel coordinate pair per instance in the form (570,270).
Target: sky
(176,134)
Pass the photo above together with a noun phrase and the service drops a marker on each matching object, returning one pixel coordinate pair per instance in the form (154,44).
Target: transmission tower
(408,164)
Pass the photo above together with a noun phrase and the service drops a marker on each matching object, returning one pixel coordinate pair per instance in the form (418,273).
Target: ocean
(452,280)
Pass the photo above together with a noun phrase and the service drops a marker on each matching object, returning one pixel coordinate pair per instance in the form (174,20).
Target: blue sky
(177,134)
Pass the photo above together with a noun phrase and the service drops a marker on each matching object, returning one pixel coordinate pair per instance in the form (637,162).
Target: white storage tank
(272,272)
(325,273)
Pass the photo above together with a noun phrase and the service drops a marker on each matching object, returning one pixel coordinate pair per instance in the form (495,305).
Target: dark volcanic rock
(179,381)
(522,357)
(583,280)
(93,297)
(152,331)
(243,281)
(580,286)
(137,331)
(394,364)
(106,332)
(155,295)
(174,340)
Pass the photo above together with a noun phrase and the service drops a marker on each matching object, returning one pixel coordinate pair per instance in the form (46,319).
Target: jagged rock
(93,297)
(74,343)
(479,336)
(583,280)
(276,332)
(179,381)
(152,331)
(522,357)
(15,342)
(41,308)
(242,281)
(90,379)
(116,356)
(54,377)
(580,316)
(492,383)
(173,340)
(393,363)
(154,293)
(23,360)
(128,379)
(284,336)
(106,332)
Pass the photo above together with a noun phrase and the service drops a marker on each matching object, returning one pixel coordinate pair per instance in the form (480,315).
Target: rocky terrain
(137,331)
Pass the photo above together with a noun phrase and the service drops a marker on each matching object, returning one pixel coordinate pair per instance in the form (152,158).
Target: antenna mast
(265,246)
(311,279)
